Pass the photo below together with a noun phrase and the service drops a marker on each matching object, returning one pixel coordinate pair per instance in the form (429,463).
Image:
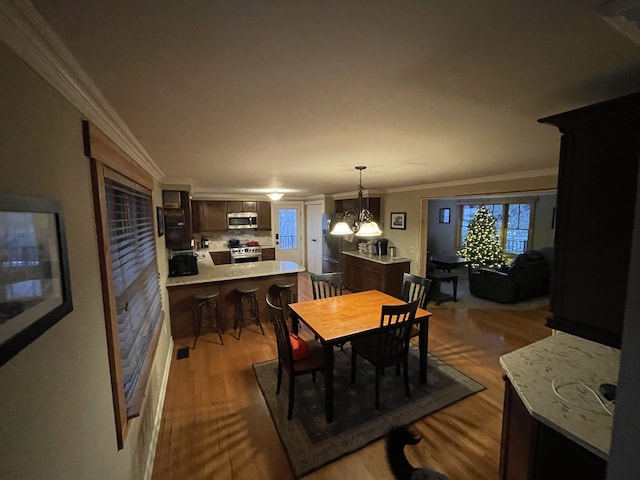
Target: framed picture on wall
(445,215)
(398,220)
(36,287)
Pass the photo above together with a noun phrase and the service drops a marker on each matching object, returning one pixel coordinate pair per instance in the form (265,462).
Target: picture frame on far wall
(445,215)
(36,291)
(398,220)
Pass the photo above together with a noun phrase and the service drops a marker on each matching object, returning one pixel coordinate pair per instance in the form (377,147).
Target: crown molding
(544,172)
(27,34)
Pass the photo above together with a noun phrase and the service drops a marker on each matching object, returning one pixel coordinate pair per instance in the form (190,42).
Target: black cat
(397,438)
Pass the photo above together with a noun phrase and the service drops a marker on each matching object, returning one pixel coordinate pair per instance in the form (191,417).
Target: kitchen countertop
(208,272)
(384,259)
(563,361)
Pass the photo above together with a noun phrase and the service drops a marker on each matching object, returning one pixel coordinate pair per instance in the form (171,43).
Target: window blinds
(135,275)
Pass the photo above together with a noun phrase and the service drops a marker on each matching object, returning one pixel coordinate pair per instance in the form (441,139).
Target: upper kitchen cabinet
(372,204)
(209,216)
(264,215)
(597,183)
(237,206)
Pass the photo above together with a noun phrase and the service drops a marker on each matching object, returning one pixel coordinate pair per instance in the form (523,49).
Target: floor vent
(182,353)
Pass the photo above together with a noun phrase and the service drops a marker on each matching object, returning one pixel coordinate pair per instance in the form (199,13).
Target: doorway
(288,220)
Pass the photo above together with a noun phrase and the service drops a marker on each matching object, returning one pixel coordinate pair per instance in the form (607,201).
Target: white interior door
(314,237)
(288,222)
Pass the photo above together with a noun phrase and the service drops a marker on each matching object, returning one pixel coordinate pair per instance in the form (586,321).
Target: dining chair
(324,285)
(389,345)
(415,287)
(294,368)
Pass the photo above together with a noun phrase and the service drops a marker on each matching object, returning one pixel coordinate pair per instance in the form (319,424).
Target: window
(513,223)
(288,234)
(128,263)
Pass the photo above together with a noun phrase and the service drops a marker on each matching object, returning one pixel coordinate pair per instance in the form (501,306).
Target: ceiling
(241,97)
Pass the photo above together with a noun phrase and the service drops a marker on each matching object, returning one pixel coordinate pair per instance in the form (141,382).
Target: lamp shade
(341,228)
(368,229)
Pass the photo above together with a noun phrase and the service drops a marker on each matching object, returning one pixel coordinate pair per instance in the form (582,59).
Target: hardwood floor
(216,425)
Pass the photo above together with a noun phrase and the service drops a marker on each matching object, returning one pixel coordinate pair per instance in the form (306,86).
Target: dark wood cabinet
(240,206)
(209,216)
(362,274)
(597,181)
(372,204)
(268,254)
(264,215)
(532,450)
(220,258)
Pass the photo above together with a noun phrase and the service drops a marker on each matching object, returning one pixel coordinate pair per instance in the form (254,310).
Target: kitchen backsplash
(219,240)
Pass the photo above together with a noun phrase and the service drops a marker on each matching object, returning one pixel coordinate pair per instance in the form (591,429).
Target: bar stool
(284,291)
(208,300)
(247,298)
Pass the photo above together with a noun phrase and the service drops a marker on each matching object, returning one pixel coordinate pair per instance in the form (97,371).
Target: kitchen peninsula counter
(226,279)
(546,383)
(374,272)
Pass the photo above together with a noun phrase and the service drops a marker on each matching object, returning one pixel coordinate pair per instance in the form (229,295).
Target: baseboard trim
(151,455)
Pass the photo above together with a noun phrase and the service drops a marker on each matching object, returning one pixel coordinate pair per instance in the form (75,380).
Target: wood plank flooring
(216,425)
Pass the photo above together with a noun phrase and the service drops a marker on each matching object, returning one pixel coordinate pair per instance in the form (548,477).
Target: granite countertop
(208,272)
(384,259)
(566,362)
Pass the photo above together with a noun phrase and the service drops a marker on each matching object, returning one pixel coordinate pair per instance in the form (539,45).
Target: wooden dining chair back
(389,345)
(313,363)
(415,287)
(324,285)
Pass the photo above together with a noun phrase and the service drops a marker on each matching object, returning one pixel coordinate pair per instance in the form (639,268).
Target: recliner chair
(528,276)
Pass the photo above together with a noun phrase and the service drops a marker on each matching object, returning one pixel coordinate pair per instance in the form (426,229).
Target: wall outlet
(412,249)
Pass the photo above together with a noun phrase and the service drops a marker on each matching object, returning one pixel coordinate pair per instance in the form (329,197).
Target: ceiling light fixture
(275,195)
(360,222)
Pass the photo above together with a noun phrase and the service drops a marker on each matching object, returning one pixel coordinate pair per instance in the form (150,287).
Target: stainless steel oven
(245,254)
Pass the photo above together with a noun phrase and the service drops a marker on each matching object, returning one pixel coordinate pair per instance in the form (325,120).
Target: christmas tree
(482,246)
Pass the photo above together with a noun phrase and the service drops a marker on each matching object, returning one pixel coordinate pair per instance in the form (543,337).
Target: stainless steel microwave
(242,220)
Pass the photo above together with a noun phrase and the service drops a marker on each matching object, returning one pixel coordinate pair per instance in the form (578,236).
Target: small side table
(437,277)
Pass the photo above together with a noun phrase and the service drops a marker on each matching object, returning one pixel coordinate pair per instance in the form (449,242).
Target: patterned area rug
(311,443)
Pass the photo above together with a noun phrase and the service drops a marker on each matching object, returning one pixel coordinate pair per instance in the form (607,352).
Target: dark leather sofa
(528,276)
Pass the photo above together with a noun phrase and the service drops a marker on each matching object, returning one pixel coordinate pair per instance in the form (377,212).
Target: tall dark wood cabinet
(597,181)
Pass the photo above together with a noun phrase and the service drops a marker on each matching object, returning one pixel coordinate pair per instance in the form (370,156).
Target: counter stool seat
(208,300)
(249,299)
(284,291)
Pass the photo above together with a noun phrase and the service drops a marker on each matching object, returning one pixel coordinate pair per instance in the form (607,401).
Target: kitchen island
(554,426)
(225,278)
(374,272)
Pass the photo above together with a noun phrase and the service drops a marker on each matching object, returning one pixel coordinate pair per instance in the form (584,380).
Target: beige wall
(57,411)
(412,242)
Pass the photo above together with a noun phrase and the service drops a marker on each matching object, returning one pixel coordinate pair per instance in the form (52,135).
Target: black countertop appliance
(380,246)
(182,263)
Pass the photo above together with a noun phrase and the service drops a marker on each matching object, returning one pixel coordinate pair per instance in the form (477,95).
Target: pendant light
(360,222)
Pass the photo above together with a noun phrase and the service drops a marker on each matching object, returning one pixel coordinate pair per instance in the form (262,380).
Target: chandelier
(360,222)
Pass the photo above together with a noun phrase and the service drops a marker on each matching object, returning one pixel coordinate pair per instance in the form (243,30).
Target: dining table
(339,319)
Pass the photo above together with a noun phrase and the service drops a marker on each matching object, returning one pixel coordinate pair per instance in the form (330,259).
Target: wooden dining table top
(342,317)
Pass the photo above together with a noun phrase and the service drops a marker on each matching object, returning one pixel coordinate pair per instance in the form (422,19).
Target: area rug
(311,443)
(466,300)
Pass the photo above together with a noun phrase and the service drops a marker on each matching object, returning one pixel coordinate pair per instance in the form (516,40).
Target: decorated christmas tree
(482,246)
